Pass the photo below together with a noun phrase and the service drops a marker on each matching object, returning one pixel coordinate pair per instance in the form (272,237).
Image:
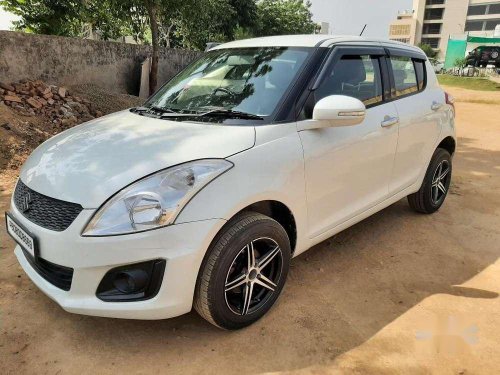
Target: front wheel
(435,186)
(243,272)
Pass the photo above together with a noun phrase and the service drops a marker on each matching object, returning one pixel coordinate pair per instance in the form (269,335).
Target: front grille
(58,276)
(47,212)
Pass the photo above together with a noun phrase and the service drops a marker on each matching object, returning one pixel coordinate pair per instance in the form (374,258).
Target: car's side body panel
(347,169)
(419,128)
(332,178)
(272,170)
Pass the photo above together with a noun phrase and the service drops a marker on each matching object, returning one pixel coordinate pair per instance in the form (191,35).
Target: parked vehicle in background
(253,154)
(483,56)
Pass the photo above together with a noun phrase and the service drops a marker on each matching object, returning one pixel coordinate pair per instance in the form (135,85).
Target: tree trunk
(153,21)
(169,31)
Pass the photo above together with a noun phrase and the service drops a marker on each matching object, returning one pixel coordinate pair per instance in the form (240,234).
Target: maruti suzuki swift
(254,153)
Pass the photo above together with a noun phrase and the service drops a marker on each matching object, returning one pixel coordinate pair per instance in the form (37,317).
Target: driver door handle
(389,121)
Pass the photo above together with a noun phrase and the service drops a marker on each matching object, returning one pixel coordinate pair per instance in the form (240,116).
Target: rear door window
(405,76)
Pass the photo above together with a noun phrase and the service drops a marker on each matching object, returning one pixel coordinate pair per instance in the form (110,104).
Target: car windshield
(249,81)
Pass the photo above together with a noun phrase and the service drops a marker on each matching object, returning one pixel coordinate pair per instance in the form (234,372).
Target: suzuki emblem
(25,204)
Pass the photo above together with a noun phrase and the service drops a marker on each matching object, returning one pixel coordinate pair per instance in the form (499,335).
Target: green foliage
(281,17)
(242,33)
(56,17)
(209,20)
(460,62)
(428,50)
(180,23)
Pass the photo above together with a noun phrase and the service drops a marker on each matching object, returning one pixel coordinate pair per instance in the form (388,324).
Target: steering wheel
(225,91)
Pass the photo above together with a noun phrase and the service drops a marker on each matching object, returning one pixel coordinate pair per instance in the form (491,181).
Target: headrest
(350,69)
(399,76)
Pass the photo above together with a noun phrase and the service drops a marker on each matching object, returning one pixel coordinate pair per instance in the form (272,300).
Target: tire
(432,193)
(226,279)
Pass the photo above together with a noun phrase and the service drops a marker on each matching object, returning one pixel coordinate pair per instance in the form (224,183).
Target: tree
(428,50)
(460,62)
(280,17)
(179,23)
(209,20)
(55,17)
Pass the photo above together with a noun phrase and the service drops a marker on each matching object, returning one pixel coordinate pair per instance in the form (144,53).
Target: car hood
(89,163)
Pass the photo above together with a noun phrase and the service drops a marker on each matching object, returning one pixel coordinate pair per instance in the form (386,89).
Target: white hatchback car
(254,153)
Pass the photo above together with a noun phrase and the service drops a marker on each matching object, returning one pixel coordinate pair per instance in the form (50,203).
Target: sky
(344,16)
(6,19)
(347,17)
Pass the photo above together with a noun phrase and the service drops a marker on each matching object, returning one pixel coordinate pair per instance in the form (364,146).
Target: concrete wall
(69,61)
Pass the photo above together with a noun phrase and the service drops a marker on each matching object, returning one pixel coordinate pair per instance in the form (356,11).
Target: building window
(491,24)
(434,2)
(474,26)
(476,10)
(400,29)
(434,14)
(402,40)
(494,9)
(432,28)
(433,42)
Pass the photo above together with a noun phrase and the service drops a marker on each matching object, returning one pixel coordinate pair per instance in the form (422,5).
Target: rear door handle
(435,106)
(389,121)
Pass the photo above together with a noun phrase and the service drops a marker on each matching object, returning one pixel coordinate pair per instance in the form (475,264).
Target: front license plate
(20,235)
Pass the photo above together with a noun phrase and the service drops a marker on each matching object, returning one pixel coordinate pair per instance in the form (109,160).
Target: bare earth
(397,293)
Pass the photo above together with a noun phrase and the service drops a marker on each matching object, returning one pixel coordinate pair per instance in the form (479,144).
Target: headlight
(156,200)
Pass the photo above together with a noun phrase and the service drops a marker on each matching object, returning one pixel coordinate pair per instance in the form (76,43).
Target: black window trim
(382,52)
(335,54)
(414,56)
(424,68)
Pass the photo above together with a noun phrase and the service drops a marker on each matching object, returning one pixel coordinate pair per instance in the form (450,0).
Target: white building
(434,21)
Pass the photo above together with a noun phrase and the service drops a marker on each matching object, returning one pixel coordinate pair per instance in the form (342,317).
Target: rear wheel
(435,186)
(244,271)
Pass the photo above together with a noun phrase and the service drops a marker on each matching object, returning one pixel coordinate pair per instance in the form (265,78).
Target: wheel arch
(278,211)
(449,144)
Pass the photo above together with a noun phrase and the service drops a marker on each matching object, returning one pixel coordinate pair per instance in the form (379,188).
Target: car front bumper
(183,246)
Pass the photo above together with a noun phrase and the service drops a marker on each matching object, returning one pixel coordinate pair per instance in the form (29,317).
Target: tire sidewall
(439,156)
(220,312)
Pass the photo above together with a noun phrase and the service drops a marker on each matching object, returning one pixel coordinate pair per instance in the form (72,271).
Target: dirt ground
(397,293)
(21,133)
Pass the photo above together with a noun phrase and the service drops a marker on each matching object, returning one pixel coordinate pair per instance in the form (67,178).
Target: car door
(419,107)
(348,168)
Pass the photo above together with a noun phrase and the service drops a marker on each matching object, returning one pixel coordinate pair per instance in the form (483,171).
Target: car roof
(313,40)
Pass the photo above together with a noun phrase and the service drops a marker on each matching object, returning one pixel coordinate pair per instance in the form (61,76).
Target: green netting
(479,39)
(456,50)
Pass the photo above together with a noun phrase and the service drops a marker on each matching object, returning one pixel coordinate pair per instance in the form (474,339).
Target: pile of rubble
(55,103)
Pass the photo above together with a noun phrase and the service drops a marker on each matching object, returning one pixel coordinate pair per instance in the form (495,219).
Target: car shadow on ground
(338,295)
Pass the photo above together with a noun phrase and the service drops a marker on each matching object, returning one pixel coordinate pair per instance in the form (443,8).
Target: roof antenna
(362,31)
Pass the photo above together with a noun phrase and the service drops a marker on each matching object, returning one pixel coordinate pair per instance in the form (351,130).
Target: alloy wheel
(440,182)
(253,276)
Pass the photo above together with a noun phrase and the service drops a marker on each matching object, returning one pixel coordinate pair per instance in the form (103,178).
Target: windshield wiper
(161,110)
(219,112)
(229,113)
(166,112)
(139,109)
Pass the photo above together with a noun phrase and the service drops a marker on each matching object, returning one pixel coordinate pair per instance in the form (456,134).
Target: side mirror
(336,110)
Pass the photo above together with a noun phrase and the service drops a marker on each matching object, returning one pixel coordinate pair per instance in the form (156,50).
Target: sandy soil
(397,293)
